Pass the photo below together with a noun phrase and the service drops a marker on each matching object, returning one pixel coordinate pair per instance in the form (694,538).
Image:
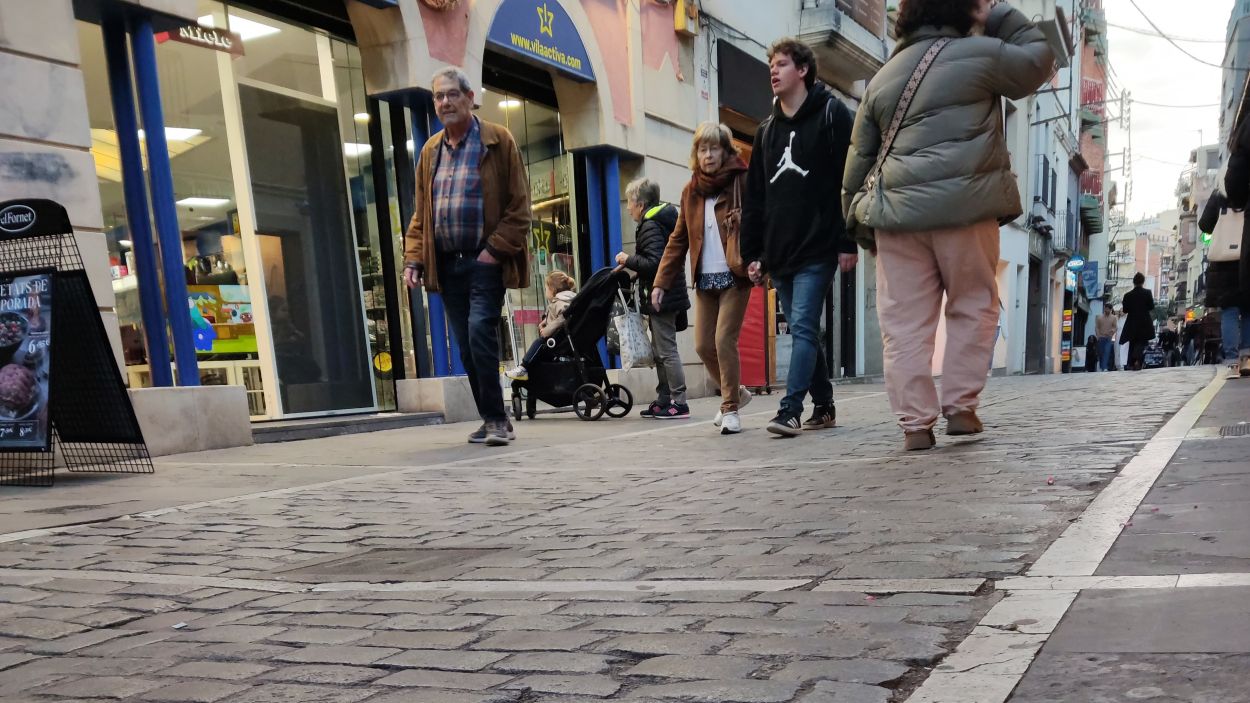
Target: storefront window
(552,245)
(215,270)
(354,121)
(306,229)
(276,53)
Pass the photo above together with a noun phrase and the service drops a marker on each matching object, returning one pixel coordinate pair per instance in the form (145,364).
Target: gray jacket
(949,166)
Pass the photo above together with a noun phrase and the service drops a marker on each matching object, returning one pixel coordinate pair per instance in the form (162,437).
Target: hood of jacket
(663,214)
(792,216)
(817,96)
(566,296)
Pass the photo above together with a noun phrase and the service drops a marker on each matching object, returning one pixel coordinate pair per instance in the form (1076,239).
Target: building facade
(240,174)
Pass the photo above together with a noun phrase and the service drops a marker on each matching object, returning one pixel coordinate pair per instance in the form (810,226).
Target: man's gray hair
(456,75)
(643,191)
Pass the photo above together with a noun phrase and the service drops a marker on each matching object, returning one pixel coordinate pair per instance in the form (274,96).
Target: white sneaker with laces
(517,373)
(731,423)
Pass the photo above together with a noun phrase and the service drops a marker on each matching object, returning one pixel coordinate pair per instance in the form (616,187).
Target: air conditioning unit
(686,17)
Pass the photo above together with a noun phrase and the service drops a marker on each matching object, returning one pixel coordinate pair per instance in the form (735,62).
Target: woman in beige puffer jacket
(944,188)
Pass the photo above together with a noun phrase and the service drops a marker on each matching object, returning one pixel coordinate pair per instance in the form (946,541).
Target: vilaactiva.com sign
(15,219)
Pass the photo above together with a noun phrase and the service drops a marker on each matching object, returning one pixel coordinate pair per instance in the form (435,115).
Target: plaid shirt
(458,193)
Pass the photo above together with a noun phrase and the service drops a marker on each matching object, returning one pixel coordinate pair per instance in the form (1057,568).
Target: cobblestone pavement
(245,601)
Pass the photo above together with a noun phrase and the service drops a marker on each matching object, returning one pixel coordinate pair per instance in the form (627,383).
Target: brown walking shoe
(964,424)
(919,441)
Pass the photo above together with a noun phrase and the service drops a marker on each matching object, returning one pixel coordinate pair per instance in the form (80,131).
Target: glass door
(308,252)
(552,245)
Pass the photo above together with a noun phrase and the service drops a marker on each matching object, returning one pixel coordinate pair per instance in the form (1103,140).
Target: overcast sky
(1155,71)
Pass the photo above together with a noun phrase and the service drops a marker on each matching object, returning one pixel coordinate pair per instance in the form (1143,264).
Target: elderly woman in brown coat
(709,204)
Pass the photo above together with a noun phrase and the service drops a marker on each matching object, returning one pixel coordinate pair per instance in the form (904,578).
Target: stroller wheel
(620,401)
(531,407)
(589,402)
(516,407)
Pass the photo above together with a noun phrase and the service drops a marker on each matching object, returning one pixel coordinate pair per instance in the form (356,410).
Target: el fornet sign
(541,31)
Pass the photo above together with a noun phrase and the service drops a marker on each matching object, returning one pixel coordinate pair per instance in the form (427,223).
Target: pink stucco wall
(447,32)
(659,39)
(610,23)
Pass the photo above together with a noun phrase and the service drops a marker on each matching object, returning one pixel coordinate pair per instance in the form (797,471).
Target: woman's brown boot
(964,424)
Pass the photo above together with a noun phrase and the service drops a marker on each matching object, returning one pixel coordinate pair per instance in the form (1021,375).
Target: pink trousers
(914,269)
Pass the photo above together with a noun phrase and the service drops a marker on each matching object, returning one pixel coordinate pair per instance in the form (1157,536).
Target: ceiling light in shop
(126,243)
(361,117)
(245,28)
(203,202)
(509,104)
(177,134)
(355,149)
(411,147)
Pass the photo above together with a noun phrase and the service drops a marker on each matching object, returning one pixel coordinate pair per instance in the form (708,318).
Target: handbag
(872,184)
(733,231)
(631,330)
(1226,236)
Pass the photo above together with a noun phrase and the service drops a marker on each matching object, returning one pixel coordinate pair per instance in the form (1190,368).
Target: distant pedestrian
(927,183)
(656,221)
(1104,331)
(468,235)
(1139,326)
(792,227)
(1091,354)
(710,206)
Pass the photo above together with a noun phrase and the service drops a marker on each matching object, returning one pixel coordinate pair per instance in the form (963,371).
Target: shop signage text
(16,219)
(207,37)
(25,353)
(540,30)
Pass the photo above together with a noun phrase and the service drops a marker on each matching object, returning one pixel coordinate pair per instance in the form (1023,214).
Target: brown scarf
(715,184)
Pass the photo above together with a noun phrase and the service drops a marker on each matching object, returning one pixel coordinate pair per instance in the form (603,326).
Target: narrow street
(639,561)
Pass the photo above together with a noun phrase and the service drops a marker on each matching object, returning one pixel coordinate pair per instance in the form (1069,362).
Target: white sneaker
(517,373)
(717,420)
(744,397)
(731,423)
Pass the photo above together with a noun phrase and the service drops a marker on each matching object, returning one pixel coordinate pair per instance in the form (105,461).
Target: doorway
(1035,336)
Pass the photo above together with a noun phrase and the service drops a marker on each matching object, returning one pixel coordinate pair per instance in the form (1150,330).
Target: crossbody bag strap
(904,104)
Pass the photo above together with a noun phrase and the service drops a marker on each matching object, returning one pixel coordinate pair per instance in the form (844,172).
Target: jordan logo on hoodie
(787,162)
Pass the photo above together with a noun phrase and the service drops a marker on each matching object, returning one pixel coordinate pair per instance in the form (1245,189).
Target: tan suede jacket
(505,208)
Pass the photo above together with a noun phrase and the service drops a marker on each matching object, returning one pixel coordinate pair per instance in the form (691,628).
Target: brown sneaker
(964,424)
(919,441)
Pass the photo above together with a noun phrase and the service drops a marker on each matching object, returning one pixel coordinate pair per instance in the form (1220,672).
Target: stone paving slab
(679,502)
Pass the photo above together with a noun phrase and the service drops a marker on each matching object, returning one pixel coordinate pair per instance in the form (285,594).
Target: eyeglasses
(449,95)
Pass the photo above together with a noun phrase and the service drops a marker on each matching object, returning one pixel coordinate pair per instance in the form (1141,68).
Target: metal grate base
(1241,429)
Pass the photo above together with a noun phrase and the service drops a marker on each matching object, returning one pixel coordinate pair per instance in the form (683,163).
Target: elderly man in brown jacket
(467,238)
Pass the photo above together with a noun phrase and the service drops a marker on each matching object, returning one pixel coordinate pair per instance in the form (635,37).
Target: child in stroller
(566,368)
(559,287)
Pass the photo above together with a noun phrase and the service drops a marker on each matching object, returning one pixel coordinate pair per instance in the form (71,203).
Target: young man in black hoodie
(656,221)
(792,225)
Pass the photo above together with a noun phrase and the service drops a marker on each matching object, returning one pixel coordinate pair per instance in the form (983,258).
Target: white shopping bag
(632,332)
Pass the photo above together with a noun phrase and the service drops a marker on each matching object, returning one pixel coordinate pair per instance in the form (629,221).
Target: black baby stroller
(570,371)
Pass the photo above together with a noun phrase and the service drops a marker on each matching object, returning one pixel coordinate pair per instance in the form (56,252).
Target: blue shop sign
(540,30)
(1089,280)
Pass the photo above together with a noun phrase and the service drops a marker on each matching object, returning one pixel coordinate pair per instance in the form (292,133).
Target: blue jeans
(802,296)
(1234,332)
(1106,347)
(473,298)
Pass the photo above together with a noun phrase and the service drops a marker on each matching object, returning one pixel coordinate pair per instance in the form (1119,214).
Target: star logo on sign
(546,21)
